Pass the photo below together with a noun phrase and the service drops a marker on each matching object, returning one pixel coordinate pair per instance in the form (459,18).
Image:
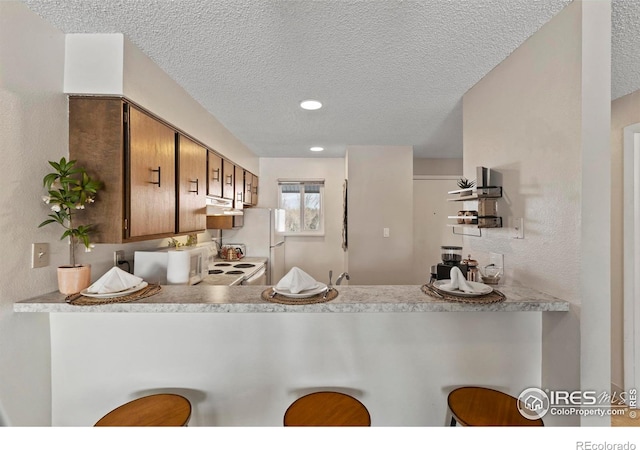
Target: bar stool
(327,409)
(479,406)
(158,410)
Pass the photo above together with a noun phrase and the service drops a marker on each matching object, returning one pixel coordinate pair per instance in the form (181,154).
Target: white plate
(320,287)
(142,285)
(482,288)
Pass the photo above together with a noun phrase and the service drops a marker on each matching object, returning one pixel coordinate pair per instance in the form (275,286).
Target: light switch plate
(39,255)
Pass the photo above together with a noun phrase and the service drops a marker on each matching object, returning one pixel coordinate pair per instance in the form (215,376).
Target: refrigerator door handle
(279,244)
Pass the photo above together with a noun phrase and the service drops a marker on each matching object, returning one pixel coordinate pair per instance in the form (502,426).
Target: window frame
(303,182)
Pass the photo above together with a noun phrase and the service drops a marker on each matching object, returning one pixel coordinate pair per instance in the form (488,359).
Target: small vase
(72,280)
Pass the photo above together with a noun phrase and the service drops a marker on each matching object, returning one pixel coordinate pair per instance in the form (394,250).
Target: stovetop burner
(244,266)
(235,272)
(222,264)
(215,271)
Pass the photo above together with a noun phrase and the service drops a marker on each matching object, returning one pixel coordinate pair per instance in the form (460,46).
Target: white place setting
(115,283)
(459,286)
(297,288)
(299,284)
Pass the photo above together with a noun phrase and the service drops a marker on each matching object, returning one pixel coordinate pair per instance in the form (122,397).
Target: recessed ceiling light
(316,149)
(310,105)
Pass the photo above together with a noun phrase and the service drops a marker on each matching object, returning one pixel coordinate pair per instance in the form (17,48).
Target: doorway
(430,219)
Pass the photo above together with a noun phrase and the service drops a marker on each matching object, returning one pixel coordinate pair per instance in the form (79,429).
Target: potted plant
(70,188)
(463,183)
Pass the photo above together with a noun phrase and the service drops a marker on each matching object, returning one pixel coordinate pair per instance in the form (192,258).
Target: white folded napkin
(115,280)
(296,281)
(459,282)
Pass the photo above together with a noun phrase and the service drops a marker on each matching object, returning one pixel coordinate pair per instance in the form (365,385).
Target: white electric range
(246,271)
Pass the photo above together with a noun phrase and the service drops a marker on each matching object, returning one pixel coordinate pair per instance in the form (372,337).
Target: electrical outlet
(496,259)
(518,227)
(39,255)
(385,232)
(118,255)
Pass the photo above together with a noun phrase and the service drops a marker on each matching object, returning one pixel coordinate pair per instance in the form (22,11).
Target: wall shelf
(486,214)
(476,193)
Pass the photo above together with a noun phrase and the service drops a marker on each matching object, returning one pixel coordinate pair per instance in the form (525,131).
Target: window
(303,203)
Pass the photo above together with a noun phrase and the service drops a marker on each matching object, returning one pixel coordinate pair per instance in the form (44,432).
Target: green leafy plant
(70,188)
(463,183)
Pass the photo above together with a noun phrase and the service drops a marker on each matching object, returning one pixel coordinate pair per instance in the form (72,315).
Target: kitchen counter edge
(351,299)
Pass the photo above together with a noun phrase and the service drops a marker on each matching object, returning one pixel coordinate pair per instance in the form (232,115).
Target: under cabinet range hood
(221,215)
(222,207)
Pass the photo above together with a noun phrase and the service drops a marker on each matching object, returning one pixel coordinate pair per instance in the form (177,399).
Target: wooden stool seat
(159,410)
(478,406)
(327,409)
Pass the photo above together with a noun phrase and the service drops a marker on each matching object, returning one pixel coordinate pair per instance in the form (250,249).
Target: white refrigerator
(262,235)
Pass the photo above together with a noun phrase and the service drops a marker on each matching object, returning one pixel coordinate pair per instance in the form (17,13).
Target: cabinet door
(250,189)
(214,182)
(96,130)
(228,188)
(247,188)
(254,190)
(152,193)
(192,172)
(239,187)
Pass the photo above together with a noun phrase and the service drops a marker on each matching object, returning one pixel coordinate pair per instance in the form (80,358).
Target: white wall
(437,166)
(315,255)
(33,126)
(540,120)
(94,63)
(380,196)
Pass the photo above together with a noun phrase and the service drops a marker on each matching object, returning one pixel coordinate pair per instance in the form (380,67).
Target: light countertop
(207,298)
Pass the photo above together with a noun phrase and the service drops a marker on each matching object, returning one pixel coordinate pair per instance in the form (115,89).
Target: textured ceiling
(389,72)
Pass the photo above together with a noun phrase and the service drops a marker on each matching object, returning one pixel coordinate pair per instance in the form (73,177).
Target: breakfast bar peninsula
(241,359)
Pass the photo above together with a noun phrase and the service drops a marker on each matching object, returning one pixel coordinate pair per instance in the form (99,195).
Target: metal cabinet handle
(230,178)
(197,188)
(239,196)
(217,172)
(159,176)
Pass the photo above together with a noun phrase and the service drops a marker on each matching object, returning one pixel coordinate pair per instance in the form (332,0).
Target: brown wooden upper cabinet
(133,154)
(192,170)
(228,179)
(250,189)
(254,190)
(152,176)
(214,168)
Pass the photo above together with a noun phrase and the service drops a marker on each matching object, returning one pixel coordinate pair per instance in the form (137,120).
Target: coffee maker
(451,257)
